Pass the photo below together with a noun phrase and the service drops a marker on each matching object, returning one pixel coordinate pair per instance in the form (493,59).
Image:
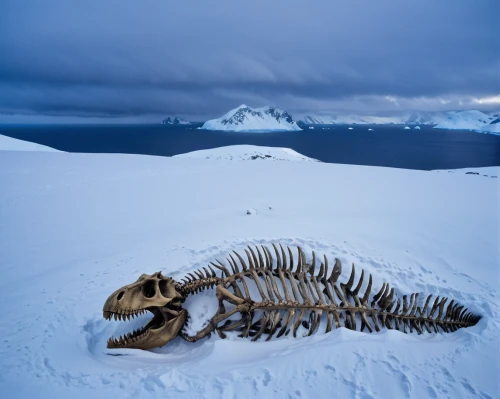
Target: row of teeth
(124,316)
(128,338)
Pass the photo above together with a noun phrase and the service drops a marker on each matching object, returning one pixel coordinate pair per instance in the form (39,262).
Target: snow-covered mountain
(175,120)
(351,119)
(492,128)
(471,120)
(474,120)
(413,118)
(245,118)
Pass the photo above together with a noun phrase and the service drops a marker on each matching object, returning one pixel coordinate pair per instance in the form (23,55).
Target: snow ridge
(12,144)
(245,118)
(248,153)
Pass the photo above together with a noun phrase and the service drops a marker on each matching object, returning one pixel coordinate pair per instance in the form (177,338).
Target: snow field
(75,227)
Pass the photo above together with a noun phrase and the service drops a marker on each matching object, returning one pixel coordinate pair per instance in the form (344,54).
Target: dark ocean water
(387,145)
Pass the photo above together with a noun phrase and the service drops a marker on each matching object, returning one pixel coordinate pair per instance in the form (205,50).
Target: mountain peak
(245,118)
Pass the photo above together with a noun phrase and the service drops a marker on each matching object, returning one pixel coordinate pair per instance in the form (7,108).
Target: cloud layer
(200,58)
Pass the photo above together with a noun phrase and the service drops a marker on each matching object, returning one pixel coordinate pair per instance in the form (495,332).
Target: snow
(465,120)
(493,128)
(12,144)
(371,129)
(349,119)
(350,128)
(491,171)
(75,227)
(245,118)
(248,153)
(407,128)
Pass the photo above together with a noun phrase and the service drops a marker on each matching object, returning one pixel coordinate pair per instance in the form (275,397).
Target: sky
(141,60)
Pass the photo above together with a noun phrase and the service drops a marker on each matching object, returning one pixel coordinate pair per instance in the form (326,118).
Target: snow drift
(245,118)
(75,227)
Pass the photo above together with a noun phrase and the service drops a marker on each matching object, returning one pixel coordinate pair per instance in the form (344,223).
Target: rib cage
(293,294)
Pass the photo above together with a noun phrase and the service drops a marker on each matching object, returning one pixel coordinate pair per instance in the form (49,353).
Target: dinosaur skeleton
(287,295)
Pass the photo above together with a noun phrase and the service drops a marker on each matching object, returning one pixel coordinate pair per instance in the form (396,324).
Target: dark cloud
(124,57)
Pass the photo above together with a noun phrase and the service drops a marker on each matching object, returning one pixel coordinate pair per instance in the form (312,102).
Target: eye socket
(149,289)
(163,284)
(120,295)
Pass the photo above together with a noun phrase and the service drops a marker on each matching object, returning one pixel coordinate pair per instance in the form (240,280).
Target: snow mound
(465,120)
(76,227)
(12,144)
(248,153)
(245,118)
(407,128)
(417,127)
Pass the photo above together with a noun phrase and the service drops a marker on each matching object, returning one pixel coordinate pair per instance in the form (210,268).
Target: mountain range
(175,120)
(270,118)
(466,119)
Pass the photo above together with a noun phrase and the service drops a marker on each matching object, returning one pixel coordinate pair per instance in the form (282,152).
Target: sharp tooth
(128,317)
(115,315)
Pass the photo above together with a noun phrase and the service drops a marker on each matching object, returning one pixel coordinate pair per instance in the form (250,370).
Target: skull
(154,293)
